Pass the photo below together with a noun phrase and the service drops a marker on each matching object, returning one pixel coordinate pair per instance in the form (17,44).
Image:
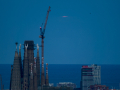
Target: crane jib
(43,31)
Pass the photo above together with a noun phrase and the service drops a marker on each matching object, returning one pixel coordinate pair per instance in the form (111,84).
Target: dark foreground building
(28,76)
(15,81)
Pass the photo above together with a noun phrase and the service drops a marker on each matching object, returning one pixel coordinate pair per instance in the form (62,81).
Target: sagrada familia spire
(15,83)
(38,66)
(26,75)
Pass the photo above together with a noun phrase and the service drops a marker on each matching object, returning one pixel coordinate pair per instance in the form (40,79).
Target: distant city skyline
(77,32)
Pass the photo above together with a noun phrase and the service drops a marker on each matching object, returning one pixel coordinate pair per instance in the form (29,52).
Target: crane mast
(42,36)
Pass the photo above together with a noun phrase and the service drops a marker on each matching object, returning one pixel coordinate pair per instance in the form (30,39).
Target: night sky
(77,31)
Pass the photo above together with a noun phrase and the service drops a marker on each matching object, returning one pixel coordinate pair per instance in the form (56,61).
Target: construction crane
(42,32)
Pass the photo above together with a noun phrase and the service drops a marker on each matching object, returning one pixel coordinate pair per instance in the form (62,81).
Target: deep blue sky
(89,34)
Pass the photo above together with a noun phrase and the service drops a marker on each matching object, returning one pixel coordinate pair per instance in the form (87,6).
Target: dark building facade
(26,75)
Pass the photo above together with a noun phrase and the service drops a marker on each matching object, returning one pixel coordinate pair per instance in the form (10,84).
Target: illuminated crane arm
(46,19)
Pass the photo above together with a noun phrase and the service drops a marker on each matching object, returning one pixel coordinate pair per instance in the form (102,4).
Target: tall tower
(30,54)
(90,75)
(42,75)
(35,75)
(25,69)
(38,66)
(86,77)
(16,75)
(28,59)
(20,60)
(31,79)
(47,80)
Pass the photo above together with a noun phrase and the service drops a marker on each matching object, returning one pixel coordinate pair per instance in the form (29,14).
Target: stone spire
(35,75)
(20,60)
(25,71)
(16,75)
(28,59)
(31,79)
(38,66)
(47,80)
(16,45)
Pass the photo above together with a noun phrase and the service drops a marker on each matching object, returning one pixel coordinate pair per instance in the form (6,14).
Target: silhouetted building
(15,83)
(28,77)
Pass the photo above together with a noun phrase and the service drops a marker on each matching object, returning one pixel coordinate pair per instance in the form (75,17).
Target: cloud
(64,16)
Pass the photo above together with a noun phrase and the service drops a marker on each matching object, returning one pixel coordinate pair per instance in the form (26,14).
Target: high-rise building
(96,74)
(86,77)
(90,75)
